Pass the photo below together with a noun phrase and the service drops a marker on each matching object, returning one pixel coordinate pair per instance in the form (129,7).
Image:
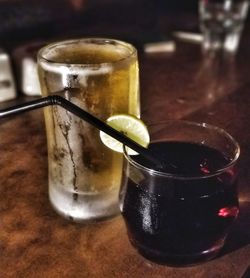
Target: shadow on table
(240,234)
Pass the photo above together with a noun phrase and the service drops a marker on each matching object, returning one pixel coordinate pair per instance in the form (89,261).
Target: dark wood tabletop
(36,242)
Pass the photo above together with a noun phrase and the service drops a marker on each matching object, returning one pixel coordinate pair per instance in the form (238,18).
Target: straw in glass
(69,106)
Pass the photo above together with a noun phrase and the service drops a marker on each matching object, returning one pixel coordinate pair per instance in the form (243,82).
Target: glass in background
(221,23)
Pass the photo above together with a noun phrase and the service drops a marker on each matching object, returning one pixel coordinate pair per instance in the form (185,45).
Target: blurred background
(25,20)
(27,25)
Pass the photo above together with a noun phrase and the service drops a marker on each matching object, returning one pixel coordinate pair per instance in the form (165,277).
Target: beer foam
(81,71)
(87,54)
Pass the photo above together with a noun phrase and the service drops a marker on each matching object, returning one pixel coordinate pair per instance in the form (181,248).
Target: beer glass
(100,76)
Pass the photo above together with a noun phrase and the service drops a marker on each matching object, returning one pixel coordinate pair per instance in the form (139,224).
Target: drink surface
(81,168)
(178,220)
(89,53)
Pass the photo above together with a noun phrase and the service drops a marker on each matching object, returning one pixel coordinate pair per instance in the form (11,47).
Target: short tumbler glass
(182,214)
(221,23)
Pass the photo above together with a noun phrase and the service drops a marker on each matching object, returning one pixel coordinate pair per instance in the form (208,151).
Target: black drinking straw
(69,106)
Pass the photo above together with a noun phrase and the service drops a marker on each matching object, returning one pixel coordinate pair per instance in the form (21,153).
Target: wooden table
(36,242)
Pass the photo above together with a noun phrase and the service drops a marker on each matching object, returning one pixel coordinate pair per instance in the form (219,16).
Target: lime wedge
(130,126)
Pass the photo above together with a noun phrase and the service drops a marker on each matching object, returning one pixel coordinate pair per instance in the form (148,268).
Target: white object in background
(30,81)
(158,47)
(188,37)
(7,83)
(25,59)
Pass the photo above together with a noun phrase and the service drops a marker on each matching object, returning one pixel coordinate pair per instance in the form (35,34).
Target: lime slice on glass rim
(130,126)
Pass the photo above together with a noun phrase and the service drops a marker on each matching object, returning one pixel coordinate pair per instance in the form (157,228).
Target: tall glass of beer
(100,76)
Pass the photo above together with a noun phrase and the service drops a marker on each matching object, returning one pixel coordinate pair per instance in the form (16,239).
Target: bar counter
(36,242)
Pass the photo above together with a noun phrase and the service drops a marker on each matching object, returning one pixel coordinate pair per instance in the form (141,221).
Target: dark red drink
(182,218)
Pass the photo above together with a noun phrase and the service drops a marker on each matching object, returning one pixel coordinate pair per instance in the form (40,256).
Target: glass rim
(189,177)
(41,53)
(221,3)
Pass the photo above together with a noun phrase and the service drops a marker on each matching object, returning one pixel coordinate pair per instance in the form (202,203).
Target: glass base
(215,43)
(179,259)
(82,208)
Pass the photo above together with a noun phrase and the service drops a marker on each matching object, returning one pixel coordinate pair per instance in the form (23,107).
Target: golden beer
(101,77)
